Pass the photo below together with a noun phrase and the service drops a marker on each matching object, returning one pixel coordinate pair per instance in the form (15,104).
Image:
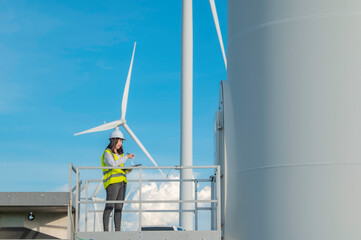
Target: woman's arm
(109,160)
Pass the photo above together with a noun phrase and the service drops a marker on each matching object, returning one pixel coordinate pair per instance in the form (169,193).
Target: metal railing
(213,180)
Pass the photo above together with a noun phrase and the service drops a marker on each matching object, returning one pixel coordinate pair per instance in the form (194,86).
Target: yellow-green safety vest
(111,176)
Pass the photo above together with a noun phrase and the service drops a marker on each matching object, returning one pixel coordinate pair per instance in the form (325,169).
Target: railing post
(77,205)
(218,177)
(86,206)
(140,200)
(94,215)
(196,204)
(213,205)
(70,204)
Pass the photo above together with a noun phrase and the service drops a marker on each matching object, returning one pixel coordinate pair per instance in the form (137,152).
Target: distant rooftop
(40,201)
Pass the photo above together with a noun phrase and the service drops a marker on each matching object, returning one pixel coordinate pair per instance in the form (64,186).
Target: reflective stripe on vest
(111,176)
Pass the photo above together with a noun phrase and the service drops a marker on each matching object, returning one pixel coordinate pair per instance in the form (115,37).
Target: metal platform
(85,202)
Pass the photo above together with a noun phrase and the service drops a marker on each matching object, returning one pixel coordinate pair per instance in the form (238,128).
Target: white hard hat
(116,134)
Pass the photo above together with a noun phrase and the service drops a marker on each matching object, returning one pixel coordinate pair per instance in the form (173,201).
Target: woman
(114,180)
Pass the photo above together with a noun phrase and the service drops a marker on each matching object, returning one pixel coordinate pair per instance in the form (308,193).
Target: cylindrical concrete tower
(292,120)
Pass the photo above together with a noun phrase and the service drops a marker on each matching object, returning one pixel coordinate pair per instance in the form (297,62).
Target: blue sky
(63,66)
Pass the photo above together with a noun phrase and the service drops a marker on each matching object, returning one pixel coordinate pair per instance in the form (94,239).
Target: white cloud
(204,194)
(164,191)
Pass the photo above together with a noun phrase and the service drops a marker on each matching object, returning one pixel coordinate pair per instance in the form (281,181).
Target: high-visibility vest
(111,176)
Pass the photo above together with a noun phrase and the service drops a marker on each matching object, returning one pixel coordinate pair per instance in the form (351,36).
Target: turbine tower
(186,157)
(122,122)
(186,188)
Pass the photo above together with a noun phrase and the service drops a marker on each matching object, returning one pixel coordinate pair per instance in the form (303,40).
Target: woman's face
(119,144)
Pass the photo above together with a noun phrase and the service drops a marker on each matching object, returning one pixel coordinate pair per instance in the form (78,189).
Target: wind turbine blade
(98,215)
(126,127)
(94,198)
(218,28)
(97,189)
(125,204)
(103,127)
(126,198)
(126,88)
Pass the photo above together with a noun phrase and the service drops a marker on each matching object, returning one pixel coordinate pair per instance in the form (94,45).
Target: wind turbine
(97,217)
(122,122)
(218,28)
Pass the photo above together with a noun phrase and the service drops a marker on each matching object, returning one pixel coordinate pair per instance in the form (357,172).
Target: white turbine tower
(186,153)
(122,122)
(186,158)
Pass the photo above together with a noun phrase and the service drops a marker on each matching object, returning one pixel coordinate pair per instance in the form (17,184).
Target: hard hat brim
(118,138)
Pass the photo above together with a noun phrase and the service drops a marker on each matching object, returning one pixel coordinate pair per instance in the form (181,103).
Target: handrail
(215,203)
(160,210)
(161,167)
(151,201)
(157,180)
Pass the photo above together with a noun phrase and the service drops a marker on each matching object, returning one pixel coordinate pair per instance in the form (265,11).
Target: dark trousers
(115,191)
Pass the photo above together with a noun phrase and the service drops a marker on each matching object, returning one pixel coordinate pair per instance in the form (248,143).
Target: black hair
(111,146)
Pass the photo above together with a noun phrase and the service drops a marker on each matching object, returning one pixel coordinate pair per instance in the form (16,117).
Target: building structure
(35,215)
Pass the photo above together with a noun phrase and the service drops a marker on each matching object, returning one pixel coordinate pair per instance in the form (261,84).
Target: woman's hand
(130,155)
